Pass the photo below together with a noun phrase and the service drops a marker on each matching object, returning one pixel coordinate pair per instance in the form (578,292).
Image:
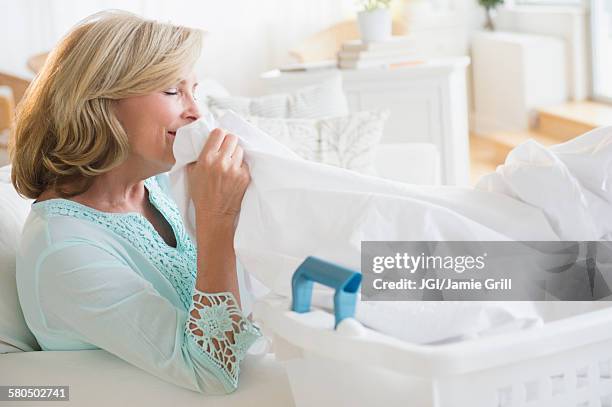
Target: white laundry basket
(565,362)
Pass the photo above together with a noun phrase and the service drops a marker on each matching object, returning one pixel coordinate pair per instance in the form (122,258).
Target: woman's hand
(219,178)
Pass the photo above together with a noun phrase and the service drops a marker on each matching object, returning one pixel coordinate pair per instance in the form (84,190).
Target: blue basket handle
(346,282)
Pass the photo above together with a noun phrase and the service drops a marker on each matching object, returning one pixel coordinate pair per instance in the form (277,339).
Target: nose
(192,111)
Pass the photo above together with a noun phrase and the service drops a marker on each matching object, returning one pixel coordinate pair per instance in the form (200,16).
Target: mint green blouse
(88,279)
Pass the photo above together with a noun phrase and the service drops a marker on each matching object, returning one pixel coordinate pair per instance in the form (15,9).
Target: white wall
(569,24)
(444,27)
(452,23)
(245,37)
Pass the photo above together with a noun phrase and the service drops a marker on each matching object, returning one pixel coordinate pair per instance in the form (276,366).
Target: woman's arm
(88,293)
(216,256)
(217,183)
(216,292)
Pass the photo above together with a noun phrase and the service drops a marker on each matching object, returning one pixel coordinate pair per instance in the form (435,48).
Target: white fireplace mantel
(428,103)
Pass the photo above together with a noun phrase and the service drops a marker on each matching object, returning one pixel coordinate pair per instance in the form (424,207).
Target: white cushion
(15,209)
(6,348)
(323,100)
(412,163)
(99,379)
(347,141)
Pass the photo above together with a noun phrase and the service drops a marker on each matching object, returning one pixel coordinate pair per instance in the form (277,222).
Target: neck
(121,188)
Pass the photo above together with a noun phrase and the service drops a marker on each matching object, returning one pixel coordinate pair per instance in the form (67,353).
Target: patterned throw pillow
(346,141)
(323,100)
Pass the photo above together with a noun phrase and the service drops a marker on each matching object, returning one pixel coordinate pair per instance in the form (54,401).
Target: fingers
(219,141)
(237,157)
(213,144)
(223,149)
(228,146)
(245,173)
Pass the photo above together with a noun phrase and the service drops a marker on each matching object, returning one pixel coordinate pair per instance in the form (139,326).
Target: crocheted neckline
(58,203)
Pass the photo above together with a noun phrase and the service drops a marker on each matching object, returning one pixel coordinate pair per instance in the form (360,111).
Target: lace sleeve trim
(221,333)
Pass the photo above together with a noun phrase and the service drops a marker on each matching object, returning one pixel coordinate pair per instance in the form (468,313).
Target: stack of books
(397,51)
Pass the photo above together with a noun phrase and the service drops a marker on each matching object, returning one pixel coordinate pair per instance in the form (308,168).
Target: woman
(104,260)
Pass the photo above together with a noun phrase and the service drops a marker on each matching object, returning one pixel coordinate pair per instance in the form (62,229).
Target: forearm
(221,340)
(216,257)
(218,330)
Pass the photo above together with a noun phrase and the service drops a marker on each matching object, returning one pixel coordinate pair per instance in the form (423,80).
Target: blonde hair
(66,132)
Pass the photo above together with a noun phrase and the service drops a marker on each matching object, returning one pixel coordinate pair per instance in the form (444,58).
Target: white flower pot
(375,25)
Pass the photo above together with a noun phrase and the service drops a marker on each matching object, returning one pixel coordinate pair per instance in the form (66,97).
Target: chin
(166,167)
(169,163)
(163,164)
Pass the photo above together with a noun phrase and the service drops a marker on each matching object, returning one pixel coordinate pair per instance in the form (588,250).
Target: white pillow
(348,141)
(323,100)
(6,348)
(14,332)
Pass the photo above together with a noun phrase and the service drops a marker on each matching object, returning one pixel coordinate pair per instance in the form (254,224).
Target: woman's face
(150,122)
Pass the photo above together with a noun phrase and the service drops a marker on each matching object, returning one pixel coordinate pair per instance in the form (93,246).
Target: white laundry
(570,182)
(295,208)
(189,142)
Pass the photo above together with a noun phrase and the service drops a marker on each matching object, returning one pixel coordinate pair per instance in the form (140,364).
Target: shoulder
(46,195)
(64,250)
(49,226)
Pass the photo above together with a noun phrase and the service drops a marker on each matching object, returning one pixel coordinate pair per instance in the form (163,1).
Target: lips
(172,134)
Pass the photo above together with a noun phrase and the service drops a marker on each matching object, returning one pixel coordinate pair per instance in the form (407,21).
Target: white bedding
(295,208)
(99,379)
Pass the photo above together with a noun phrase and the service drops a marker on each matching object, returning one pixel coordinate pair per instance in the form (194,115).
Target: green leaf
(369,5)
(488,4)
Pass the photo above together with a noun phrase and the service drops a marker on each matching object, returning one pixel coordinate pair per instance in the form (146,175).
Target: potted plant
(490,6)
(374,20)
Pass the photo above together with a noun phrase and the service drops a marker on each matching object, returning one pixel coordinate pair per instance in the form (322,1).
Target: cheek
(145,120)
(164,110)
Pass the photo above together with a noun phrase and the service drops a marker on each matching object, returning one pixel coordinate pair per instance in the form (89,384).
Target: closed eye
(175,91)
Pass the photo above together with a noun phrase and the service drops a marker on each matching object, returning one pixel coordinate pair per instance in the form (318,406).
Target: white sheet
(295,208)
(569,182)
